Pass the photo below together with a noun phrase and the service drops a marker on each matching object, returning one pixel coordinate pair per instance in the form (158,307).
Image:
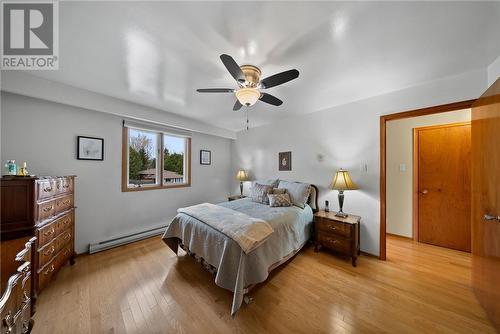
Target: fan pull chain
(247,118)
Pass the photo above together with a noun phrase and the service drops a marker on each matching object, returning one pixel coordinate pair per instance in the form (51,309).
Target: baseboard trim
(126,239)
(399,236)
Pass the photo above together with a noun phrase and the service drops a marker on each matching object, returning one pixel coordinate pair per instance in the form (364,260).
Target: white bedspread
(248,232)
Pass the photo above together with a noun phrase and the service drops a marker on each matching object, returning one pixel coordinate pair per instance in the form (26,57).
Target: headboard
(312,201)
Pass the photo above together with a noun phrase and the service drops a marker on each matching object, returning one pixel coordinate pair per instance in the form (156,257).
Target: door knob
(425,191)
(488,217)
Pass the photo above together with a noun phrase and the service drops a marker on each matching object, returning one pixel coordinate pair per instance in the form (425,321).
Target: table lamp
(342,181)
(241,176)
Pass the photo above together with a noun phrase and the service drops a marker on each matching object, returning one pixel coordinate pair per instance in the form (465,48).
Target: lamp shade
(342,181)
(242,175)
(247,96)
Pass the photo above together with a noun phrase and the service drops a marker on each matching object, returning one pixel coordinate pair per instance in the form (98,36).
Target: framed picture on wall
(90,148)
(205,157)
(285,161)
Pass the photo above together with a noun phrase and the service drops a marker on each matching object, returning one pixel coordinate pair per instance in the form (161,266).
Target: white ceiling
(158,53)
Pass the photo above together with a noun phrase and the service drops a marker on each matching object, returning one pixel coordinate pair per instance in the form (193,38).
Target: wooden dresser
(42,207)
(337,233)
(16,291)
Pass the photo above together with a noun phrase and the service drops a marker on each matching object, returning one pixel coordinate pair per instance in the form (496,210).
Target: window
(155,157)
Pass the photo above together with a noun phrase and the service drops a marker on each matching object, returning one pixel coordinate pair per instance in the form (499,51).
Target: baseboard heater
(123,240)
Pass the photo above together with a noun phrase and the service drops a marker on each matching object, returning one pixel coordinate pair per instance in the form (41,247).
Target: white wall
(494,71)
(345,136)
(44,134)
(19,82)
(399,150)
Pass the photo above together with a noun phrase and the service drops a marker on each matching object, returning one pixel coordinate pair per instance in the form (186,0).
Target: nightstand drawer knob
(333,227)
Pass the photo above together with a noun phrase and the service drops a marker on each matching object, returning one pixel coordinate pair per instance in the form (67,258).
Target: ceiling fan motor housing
(252,75)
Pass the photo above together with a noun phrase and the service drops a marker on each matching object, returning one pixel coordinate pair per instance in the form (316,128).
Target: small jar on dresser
(42,207)
(340,234)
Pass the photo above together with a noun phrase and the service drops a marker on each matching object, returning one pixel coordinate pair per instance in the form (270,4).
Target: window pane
(143,153)
(174,149)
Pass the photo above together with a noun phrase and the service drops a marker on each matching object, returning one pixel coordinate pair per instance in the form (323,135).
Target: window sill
(183,185)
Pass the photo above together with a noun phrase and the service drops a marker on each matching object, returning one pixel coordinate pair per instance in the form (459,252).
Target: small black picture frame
(89,148)
(205,157)
(285,161)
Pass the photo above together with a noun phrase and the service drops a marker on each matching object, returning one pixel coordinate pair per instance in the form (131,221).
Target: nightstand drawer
(331,226)
(335,243)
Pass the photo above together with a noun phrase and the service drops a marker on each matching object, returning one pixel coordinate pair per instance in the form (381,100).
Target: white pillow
(298,192)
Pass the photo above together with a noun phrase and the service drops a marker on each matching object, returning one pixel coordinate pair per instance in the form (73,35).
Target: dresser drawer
(46,253)
(63,223)
(64,185)
(64,239)
(46,234)
(331,226)
(46,210)
(335,242)
(46,189)
(45,274)
(63,256)
(64,203)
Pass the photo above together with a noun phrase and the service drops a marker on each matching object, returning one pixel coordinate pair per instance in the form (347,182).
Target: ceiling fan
(250,85)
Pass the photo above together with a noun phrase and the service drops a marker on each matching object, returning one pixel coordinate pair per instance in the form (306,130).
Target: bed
(234,269)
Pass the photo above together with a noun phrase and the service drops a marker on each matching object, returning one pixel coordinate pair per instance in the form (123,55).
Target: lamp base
(341,214)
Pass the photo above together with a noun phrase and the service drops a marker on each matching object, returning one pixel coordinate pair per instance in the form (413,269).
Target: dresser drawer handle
(67,236)
(66,186)
(66,251)
(47,209)
(51,250)
(48,189)
(48,271)
(333,228)
(333,241)
(66,202)
(49,232)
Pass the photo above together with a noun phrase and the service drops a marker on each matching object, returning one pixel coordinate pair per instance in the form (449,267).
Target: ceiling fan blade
(280,78)
(237,106)
(233,68)
(215,90)
(268,98)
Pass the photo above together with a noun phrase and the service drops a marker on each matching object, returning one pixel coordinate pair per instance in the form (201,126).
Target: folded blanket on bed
(248,232)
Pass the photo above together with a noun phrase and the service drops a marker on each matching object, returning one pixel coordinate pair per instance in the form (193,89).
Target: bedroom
(130,70)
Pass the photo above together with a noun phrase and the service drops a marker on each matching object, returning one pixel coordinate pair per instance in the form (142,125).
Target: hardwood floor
(144,288)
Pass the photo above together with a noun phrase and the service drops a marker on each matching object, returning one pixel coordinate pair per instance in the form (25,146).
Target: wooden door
(442,168)
(486,201)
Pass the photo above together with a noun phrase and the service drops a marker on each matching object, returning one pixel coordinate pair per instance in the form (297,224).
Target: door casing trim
(383,172)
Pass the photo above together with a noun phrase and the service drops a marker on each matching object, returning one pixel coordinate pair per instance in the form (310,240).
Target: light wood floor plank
(145,288)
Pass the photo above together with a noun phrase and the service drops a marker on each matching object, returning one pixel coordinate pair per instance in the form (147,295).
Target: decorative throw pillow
(299,192)
(277,191)
(270,182)
(279,200)
(259,193)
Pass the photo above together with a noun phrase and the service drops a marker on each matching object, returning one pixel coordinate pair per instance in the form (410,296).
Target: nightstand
(235,197)
(338,234)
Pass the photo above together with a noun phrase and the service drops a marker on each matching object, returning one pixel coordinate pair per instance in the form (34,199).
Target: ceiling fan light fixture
(247,96)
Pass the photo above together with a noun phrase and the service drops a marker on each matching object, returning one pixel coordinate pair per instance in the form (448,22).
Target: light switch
(402,167)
